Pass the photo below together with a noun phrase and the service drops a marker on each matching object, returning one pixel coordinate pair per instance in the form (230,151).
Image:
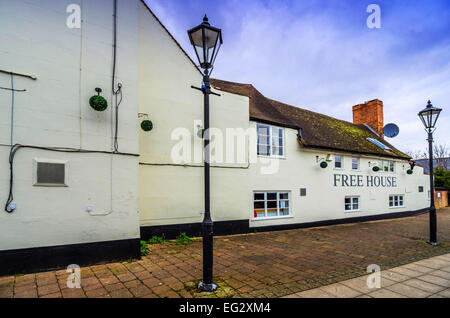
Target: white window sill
(272,157)
(351,211)
(53,185)
(396,207)
(273,218)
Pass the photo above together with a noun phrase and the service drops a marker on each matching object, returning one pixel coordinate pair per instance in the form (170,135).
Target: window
(50,173)
(270,141)
(338,162)
(355,163)
(396,201)
(378,144)
(271,204)
(420,189)
(388,166)
(351,204)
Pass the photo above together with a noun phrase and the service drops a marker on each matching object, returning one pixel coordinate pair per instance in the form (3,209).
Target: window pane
(284,204)
(271,204)
(259,213)
(258,205)
(391,166)
(258,196)
(271,196)
(275,151)
(338,161)
(263,140)
(263,130)
(355,206)
(275,132)
(263,150)
(284,212)
(355,163)
(348,200)
(284,196)
(348,206)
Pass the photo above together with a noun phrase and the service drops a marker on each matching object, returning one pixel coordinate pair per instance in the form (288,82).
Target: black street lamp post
(206,41)
(429,117)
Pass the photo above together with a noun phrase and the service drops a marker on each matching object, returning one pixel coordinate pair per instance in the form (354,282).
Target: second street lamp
(429,117)
(206,41)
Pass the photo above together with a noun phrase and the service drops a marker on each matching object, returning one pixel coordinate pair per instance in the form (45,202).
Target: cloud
(320,55)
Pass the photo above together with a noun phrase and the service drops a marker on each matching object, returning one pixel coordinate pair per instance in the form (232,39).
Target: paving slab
(340,291)
(425,286)
(385,293)
(408,291)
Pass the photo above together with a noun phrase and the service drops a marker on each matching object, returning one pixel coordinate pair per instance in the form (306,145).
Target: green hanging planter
(376,168)
(146,125)
(98,102)
(323,164)
(409,171)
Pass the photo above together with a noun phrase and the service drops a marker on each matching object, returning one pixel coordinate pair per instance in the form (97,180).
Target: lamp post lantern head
(206,41)
(429,116)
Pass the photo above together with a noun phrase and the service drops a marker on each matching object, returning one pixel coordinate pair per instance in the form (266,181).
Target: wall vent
(50,174)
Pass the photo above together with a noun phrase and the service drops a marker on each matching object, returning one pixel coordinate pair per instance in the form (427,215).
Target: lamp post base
(434,243)
(207,287)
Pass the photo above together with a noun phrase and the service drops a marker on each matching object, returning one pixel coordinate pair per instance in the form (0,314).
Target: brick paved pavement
(271,264)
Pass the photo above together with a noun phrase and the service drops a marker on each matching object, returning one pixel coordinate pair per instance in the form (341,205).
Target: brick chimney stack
(370,113)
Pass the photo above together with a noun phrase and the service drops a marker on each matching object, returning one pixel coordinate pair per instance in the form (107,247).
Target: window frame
(352,197)
(270,145)
(357,162)
(278,200)
(342,162)
(390,164)
(396,199)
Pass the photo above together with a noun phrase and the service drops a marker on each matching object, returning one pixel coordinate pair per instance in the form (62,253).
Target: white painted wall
(54,111)
(174,194)
(324,201)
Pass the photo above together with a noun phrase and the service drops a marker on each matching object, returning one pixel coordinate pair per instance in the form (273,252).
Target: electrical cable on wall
(113,85)
(117,102)
(16,147)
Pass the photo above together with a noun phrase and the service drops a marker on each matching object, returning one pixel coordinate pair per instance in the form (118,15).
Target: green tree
(441,178)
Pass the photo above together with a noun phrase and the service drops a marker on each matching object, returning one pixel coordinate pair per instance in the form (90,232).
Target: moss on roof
(318,130)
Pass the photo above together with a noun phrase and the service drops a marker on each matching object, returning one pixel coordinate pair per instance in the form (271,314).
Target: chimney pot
(371,114)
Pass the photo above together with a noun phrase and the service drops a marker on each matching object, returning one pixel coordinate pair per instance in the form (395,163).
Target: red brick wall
(370,113)
(442,200)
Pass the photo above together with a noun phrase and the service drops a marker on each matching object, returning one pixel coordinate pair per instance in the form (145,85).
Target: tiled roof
(318,130)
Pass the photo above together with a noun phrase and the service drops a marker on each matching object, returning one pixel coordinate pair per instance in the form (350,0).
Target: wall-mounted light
(146,124)
(323,161)
(200,131)
(374,165)
(412,164)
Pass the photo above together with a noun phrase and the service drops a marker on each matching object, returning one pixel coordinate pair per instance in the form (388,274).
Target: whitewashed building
(86,185)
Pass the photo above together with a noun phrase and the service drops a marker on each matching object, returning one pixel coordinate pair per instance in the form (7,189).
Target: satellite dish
(391,130)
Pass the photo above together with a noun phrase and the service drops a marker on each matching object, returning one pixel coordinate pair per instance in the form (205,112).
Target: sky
(322,56)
